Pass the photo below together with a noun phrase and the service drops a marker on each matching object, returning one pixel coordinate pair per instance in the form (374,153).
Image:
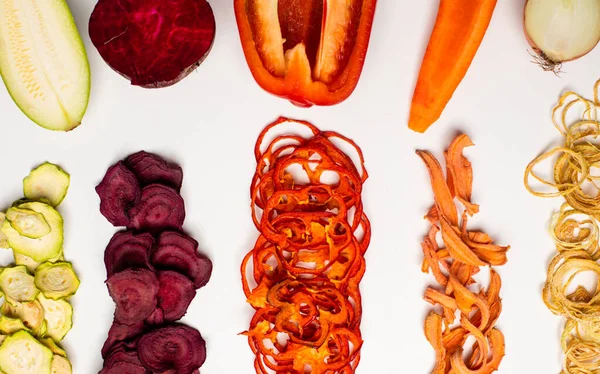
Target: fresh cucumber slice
(18,285)
(47,181)
(3,238)
(31,313)
(40,249)
(28,223)
(43,62)
(60,365)
(56,280)
(48,342)
(59,317)
(10,325)
(21,353)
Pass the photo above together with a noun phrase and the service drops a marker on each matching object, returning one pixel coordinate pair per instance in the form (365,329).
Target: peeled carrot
(458,32)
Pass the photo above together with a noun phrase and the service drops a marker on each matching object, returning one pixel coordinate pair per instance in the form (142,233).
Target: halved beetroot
(150,168)
(128,250)
(160,208)
(176,347)
(118,191)
(175,294)
(134,292)
(178,252)
(119,333)
(153,43)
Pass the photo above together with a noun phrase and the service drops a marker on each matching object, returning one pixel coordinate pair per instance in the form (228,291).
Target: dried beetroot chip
(157,317)
(176,347)
(179,239)
(119,333)
(134,292)
(128,250)
(150,168)
(150,42)
(123,368)
(121,360)
(160,208)
(118,191)
(178,252)
(175,294)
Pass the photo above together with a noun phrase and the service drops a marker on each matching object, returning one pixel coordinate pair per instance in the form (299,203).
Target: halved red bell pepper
(310,52)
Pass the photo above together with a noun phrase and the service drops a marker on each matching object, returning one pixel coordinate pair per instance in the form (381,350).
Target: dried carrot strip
(575,229)
(454,266)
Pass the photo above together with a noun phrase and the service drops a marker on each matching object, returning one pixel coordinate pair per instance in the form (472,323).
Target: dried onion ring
(575,231)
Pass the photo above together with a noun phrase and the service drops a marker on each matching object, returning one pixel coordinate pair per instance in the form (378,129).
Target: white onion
(562,30)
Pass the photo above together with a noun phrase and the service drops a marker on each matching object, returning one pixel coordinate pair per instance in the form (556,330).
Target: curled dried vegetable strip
(464,313)
(302,276)
(574,228)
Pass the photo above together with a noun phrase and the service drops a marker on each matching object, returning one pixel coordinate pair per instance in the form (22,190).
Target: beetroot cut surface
(134,292)
(160,208)
(176,347)
(175,294)
(128,250)
(153,43)
(119,190)
(150,168)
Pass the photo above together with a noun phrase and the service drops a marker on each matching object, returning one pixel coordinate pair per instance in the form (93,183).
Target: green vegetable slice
(44,63)
(56,280)
(31,313)
(30,263)
(40,249)
(21,353)
(10,325)
(51,344)
(47,181)
(3,239)
(59,317)
(17,284)
(28,223)
(60,365)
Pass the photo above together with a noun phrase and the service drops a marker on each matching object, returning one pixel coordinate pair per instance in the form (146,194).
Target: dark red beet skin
(118,191)
(160,208)
(175,294)
(150,168)
(128,250)
(153,43)
(134,292)
(176,347)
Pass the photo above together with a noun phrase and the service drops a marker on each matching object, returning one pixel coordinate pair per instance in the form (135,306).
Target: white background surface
(208,123)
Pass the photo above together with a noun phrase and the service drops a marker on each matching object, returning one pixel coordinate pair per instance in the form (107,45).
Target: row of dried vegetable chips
(36,313)
(153,269)
(454,265)
(302,276)
(574,228)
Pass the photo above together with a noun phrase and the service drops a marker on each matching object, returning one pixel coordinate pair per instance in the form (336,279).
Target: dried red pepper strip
(302,276)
